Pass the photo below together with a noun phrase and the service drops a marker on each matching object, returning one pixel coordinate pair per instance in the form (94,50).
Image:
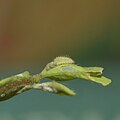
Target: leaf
(71,71)
(101,80)
(94,71)
(55,87)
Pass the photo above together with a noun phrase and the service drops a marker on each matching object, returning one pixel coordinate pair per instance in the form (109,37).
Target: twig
(60,69)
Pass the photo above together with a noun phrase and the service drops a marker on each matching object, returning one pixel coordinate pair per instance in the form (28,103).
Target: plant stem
(11,86)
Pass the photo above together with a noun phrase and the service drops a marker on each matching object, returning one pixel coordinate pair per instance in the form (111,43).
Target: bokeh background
(33,32)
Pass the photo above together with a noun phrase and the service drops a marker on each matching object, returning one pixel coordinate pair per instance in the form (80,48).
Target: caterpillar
(59,61)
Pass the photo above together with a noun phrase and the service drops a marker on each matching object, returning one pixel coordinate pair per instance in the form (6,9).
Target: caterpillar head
(59,61)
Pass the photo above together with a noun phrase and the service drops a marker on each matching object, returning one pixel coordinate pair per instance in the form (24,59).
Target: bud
(64,69)
(54,87)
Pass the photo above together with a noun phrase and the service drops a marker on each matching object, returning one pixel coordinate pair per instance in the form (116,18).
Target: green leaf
(71,71)
(55,87)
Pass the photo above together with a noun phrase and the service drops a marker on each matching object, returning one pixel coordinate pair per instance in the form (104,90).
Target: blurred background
(32,33)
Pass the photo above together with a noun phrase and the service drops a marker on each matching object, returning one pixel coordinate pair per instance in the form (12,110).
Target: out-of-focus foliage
(35,31)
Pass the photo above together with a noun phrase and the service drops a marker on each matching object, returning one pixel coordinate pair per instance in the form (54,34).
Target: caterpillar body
(59,61)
